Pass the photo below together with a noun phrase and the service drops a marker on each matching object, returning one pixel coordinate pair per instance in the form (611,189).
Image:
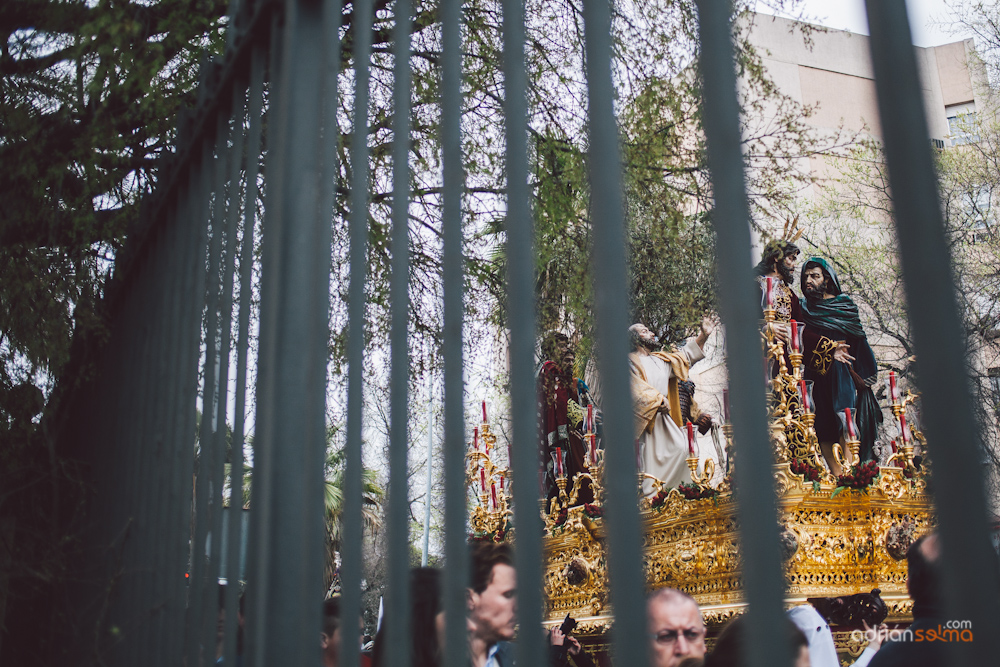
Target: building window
(962,124)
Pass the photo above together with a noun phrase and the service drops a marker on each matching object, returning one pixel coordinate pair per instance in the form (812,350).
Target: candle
(795,336)
(501,483)
(593,449)
(725,405)
(902,428)
(493,494)
(805,396)
(638,455)
(484,412)
(559,461)
(475,438)
(690,427)
(850,423)
(893,391)
(590,418)
(770,292)
(482,479)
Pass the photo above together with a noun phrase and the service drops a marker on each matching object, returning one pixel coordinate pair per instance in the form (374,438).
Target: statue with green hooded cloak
(831,319)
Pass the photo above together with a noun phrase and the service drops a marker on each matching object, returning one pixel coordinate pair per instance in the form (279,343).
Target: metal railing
(179,272)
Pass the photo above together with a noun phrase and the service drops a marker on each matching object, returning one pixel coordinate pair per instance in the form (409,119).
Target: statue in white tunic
(662,406)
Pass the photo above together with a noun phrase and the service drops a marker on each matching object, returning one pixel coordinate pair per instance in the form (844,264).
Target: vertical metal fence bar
(198,603)
(762,576)
(259,556)
(358,232)
(973,590)
(293,339)
(164,437)
(199,217)
(611,315)
(521,316)
(235,151)
(212,466)
(453,279)
(152,398)
(130,426)
(183,412)
(397,515)
(242,347)
(207,588)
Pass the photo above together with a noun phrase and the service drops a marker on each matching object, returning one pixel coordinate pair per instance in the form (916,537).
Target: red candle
(475,438)
(484,412)
(482,479)
(795,336)
(770,292)
(850,423)
(893,393)
(593,449)
(805,396)
(590,418)
(690,438)
(902,428)
(501,483)
(493,494)
(725,405)
(559,461)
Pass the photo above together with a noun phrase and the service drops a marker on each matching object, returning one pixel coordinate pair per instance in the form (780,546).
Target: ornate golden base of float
(851,543)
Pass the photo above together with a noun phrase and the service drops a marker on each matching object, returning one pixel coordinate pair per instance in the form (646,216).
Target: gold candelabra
(491,516)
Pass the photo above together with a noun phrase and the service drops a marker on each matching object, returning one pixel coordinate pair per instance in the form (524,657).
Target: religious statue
(663,400)
(560,415)
(839,362)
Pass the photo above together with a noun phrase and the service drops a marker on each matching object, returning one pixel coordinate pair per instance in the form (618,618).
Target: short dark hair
(485,555)
(331,615)
(729,647)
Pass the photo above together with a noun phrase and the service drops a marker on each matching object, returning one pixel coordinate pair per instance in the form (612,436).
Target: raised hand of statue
(707,327)
(843,353)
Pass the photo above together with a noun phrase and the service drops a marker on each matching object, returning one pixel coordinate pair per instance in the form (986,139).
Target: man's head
(779,255)
(817,281)
(676,629)
(640,336)
(557,347)
(924,576)
(492,597)
(331,636)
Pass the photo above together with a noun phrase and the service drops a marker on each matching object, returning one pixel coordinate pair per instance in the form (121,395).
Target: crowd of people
(676,628)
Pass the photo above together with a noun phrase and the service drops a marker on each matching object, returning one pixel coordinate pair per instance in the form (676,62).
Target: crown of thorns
(779,247)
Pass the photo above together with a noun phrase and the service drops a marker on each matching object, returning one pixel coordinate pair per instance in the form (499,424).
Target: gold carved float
(836,540)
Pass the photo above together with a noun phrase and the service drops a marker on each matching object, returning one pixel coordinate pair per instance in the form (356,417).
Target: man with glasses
(676,629)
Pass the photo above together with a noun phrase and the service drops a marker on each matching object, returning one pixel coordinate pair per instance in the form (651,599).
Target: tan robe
(664,441)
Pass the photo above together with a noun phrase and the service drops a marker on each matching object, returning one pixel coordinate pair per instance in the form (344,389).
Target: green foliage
(89,97)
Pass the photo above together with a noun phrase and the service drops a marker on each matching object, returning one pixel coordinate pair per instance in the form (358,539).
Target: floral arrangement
(800,467)
(696,492)
(659,499)
(593,511)
(859,477)
(498,535)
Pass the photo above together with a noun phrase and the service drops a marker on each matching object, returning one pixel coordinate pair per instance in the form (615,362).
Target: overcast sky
(850,15)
